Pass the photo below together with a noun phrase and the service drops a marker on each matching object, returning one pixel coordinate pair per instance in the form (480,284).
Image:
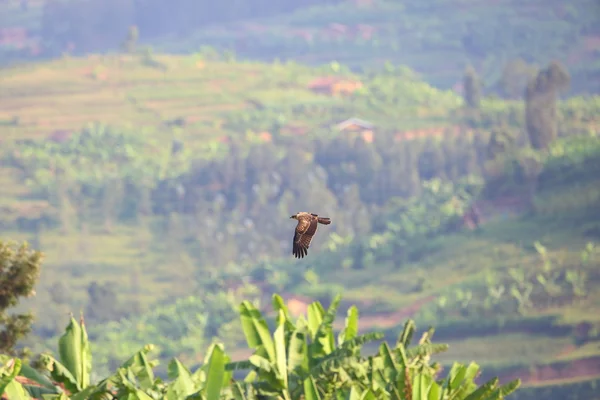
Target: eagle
(305,230)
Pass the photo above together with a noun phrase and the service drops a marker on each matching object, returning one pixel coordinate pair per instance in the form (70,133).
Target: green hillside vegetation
(161,195)
(497,294)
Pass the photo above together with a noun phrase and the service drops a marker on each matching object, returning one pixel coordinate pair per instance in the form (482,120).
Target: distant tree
(130,42)
(59,292)
(472,88)
(501,141)
(19,272)
(103,302)
(431,161)
(540,104)
(515,75)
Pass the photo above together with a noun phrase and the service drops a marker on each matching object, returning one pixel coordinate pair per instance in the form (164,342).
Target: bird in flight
(305,230)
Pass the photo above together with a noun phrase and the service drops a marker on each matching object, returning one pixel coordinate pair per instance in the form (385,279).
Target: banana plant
(405,373)
(9,386)
(522,295)
(298,356)
(549,283)
(577,279)
(73,369)
(301,360)
(33,382)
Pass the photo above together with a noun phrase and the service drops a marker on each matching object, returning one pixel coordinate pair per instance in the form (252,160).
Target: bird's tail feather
(324,220)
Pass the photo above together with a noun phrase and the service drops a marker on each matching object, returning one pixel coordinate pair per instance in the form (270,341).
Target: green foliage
(92,157)
(437,210)
(544,284)
(540,104)
(19,272)
(472,88)
(180,329)
(298,360)
(384,217)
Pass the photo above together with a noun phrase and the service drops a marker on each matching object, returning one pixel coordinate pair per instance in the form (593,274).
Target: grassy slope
(65,94)
(36,95)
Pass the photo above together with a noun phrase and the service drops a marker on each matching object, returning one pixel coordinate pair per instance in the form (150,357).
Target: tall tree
(103,302)
(19,272)
(540,104)
(472,88)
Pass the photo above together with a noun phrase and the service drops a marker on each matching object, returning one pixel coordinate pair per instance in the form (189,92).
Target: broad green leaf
(91,393)
(279,305)
(353,394)
(8,373)
(390,370)
(60,373)
(310,389)
(378,381)
(142,395)
(38,378)
(279,337)
(510,387)
(402,357)
(472,371)
(466,385)
(71,350)
(484,390)
(457,375)
(323,340)
(38,392)
(315,317)
(421,384)
(368,395)
(435,392)
(237,391)
(86,356)
(403,381)
(215,372)
(351,328)
(298,353)
(141,367)
(256,329)
(182,384)
(407,332)
(267,371)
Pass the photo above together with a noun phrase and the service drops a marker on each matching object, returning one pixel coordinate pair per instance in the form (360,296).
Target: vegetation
(148,178)
(297,361)
(361,34)
(19,271)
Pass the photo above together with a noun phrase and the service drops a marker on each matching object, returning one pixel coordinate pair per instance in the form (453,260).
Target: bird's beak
(292,217)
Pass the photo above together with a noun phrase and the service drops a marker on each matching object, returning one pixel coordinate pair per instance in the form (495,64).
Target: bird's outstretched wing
(303,235)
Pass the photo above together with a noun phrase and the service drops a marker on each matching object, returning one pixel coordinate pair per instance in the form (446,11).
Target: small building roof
(354,121)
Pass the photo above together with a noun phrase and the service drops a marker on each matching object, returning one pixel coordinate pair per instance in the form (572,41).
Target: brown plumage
(305,230)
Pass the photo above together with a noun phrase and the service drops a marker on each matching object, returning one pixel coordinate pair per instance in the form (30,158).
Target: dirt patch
(386,320)
(556,372)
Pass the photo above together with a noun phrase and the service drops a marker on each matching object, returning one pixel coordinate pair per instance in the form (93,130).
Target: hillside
(467,283)
(178,115)
(185,145)
(437,38)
